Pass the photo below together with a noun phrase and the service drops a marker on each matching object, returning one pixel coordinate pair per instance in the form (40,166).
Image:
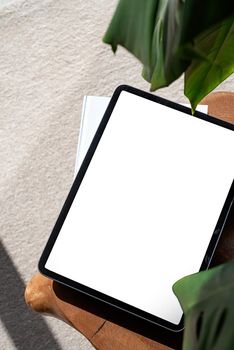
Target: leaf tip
(107,41)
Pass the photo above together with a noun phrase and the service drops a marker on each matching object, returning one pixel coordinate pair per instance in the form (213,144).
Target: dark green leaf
(132,27)
(207,299)
(203,75)
(165,35)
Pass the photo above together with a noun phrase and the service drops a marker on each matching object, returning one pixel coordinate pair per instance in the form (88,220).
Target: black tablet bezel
(151,319)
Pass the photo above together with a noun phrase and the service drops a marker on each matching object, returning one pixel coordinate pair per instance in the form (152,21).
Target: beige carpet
(51,55)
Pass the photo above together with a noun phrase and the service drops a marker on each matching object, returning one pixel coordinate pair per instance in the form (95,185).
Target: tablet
(147,207)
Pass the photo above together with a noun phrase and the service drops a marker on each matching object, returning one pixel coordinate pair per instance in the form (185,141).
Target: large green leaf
(204,74)
(207,299)
(167,36)
(133,26)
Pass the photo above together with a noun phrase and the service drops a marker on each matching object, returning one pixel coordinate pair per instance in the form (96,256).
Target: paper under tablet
(148,205)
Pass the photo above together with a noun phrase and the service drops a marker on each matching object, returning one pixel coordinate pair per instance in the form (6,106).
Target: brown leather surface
(48,297)
(221,105)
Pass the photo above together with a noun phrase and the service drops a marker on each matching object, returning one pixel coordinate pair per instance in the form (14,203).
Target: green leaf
(132,27)
(207,299)
(203,75)
(167,35)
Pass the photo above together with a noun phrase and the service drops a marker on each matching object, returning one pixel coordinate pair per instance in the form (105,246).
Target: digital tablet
(147,207)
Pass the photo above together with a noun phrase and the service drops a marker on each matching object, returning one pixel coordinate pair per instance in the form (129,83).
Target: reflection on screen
(147,207)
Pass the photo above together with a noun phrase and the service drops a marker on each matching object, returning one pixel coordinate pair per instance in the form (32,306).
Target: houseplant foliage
(171,37)
(208,304)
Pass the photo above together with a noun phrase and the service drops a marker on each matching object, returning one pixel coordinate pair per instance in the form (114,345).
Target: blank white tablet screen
(148,205)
